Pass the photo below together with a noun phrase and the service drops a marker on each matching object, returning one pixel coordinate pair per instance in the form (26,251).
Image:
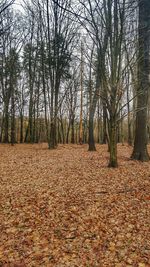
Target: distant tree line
(76,73)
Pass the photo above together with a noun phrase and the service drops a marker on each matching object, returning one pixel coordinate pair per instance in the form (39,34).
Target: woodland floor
(66,208)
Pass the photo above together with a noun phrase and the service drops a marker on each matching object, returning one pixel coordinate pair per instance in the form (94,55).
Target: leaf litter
(64,208)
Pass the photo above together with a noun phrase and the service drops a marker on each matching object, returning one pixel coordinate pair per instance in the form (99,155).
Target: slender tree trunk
(81,99)
(104,141)
(6,125)
(59,134)
(91,132)
(12,118)
(113,143)
(34,122)
(62,130)
(122,132)
(93,104)
(26,134)
(37,112)
(68,131)
(99,124)
(52,134)
(129,119)
(44,92)
(2,128)
(72,131)
(51,144)
(21,127)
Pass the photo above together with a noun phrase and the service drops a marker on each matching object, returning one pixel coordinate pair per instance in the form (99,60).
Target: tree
(81,98)
(9,70)
(71,103)
(61,33)
(14,70)
(140,144)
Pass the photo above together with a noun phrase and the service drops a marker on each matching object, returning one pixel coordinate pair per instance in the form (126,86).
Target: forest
(74,133)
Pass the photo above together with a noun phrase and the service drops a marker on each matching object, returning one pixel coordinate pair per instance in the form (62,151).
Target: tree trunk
(113,145)
(140,144)
(99,124)
(21,127)
(68,131)
(1,127)
(12,118)
(26,134)
(72,131)
(104,140)
(52,136)
(53,124)
(6,125)
(59,134)
(129,119)
(91,132)
(81,99)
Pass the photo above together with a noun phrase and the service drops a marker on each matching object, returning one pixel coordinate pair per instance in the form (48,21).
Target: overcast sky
(18,5)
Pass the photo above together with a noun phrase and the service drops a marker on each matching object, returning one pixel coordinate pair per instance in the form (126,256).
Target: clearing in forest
(64,208)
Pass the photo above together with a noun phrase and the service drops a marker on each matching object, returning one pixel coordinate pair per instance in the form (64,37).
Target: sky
(18,5)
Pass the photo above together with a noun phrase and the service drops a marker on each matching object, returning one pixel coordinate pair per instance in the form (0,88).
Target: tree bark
(91,132)
(72,131)
(21,127)
(6,125)
(113,144)
(104,140)
(140,144)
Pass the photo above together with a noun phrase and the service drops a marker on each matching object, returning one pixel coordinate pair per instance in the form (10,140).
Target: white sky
(18,5)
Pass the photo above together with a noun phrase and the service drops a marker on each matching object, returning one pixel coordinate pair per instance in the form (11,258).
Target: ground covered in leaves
(66,208)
